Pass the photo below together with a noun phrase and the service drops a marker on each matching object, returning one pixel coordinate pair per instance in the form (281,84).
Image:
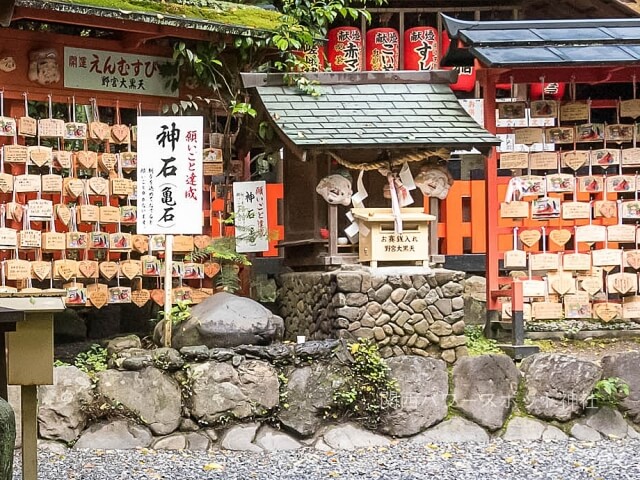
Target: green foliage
(179,312)
(369,390)
(93,360)
(477,343)
(609,392)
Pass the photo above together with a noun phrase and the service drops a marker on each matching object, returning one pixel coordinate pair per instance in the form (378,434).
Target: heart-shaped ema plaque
(131,268)
(211,269)
(591,285)
(560,237)
(63,213)
(157,295)
(74,187)
(66,269)
(98,297)
(563,283)
(623,283)
(40,156)
(88,268)
(41,270)
(607,311)
(140,297)
(87,158)
(99,131)
(575,159)
(201,241)
(606,209)
(530,237)
(107,161)
(98,185)
(108,269)
(15,211)
(120,133)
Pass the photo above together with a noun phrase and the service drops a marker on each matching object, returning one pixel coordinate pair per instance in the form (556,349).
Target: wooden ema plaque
(547,310)
(577,305)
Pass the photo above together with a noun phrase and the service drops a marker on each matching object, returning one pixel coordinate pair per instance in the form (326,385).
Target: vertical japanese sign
(250,213)
(170,175)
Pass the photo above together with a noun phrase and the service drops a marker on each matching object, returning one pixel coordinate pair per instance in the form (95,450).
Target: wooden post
(434,209)
(29,403)
(168,286)
(333,230)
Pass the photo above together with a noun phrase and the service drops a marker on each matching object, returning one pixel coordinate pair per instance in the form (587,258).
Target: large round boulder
(225,320)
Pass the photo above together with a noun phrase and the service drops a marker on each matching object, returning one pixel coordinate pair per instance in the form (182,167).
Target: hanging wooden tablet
(618,133)
(120,242)
(29,239)
(26,183)
(621,183)
(8,126)
(6,179)
(140,243)
(50,127)
(40,156)
(211,269)
(631,307)
(574,159)
(157,295)
(629,108)
(107,161)
(65,269)
(62,159)
(76,294)
(591,233)
(512,258)
(121,186)
(512,110)
(544,261)
(605,157)
(607,311)
(88,269)
(74,130)
(109,214)
(51,183)
(140,297)
(543,109)
(40,210)
(98,186)
(128,161)
(590,132)
(513,160)
(98,130)
(201,241)
(108,270)
(560,237)
(559,135)
(183,243)
(561,282)
(119,294)
(534,288)
(623,233)
(630,157)
(591,285)
(623,283)
(8,236)
(560,182)
(545,208)
(530,237)
(119,132)
(193,271)
(514,209)
(606,257)
(575,210)
(15,154)
(574,111)
(543,160)
(547,310)
(40,270)
(17,269)
(150,266)
(131,268)
(73,187)
(181,294)
(98,294)
(128,214)
(577,305)
(528,136)
(86,159)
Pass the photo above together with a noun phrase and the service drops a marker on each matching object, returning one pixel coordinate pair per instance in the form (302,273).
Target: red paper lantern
(383,49)
(421,48)
(345,49)
(553,91)
(466,75)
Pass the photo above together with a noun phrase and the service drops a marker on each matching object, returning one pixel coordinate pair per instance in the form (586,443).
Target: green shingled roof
(374,114)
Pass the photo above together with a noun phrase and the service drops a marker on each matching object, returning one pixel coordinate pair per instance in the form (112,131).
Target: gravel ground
(608,460)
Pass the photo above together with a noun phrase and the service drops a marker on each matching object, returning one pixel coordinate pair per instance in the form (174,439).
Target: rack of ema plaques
(380,242)
(26,351)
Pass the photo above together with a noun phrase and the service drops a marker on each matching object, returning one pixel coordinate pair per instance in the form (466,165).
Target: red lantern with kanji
(345,49)
(466,75)
(383,49)
(552,91)
(421,48)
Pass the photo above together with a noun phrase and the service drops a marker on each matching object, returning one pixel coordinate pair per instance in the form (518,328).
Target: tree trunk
(7,440)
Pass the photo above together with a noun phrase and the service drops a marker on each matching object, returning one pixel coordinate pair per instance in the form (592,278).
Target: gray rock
(225,320)
(316,349)
(136,363)
(118,344)
(221,354)
(484,387)
(456,430)
(418,305)
(154,396)
(219,389)
(410,296)
(431,297)
(116,434)
(363,333)
(350,313)
(272,440)
(422,327)
(529,429)
(457,303)
(138,357)
(240,438)
(7,439)
(452,289)
(424,386)
(435,313)
(444,305)
(581,432)
(419,281)
(357,299)
(441,328)
(397,295)
(448,356)
(167,359)
(188,425)
(195,353)
(351,437)
(374,309)
(625,366)
(556,385)
(378,333)
(182,441)
(476,287)
(609,423)
(309,393)
(453,341)
(278,352)
(349,282)
(458,327)
(53,447)
(61,415)
(367,321)
(382,293)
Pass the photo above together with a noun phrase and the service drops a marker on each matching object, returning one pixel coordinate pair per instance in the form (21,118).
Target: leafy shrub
(609,392)
(93,360)
(477,343)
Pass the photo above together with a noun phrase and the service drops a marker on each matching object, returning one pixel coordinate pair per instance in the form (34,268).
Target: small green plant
(609,392)
(477,343)
(93,360)
(179,312)
(369,390)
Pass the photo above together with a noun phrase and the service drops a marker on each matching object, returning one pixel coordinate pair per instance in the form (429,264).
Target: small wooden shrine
(365,139)
(562,188)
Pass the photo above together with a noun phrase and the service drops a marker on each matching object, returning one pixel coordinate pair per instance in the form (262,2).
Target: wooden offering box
(378,241)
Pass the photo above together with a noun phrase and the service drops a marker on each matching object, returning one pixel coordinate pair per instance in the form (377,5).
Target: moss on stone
(220,12)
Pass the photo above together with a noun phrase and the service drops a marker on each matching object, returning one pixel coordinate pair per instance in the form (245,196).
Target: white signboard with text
(115,72)
(170,175)
(250,215)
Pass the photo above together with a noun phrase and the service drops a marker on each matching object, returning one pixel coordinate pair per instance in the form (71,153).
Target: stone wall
(418,314)
(268,398)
